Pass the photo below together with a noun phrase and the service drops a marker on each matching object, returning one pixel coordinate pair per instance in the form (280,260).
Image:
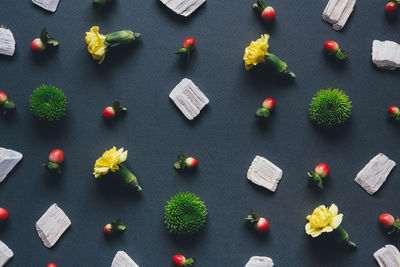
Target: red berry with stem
(51,265)
(3,97)
(180,260)
(108,113)
(386,220)
(37,45)
(107,229)
(185,162)
(3,214)
(391,8)
(322,170)
(393,110)
(269,103)
(261,224)
(268,14)
(56,156)
(191,162)
(116,108)
(189,43)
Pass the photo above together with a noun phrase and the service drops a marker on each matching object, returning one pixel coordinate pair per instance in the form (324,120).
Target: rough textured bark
(8,159)
(386,54)
(337,12)
(122,259)
(388,256)
(50,5)
(257,261)
(264,173)
(183,7)
(7,42)
(5,254)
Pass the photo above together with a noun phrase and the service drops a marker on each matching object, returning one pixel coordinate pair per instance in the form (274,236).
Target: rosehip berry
(386,220)
(56,156)
(269,103)
(391,8)
(3,214)
(331,47)
(108,113)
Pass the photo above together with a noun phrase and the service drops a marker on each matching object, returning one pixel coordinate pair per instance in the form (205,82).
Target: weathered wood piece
(52,225)
(264,173)
(5,254)
(8,159)
(386,54)
(257,261)
(337,12)
(122,259)
(7,42)
(50,5)
(375,173)
(388,256)
(183,7)
(188,98)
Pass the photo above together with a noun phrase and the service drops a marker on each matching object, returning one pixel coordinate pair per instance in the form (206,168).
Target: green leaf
(118,108)
(46,39)
(341,54)
(118,226)
(183,50)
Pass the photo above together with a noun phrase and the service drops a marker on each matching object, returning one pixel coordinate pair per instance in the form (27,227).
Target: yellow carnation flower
(109,161)
(323,220)
(255,53)
(96,44)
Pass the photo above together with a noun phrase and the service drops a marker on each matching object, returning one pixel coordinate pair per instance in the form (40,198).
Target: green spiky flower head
(330,108)
(185,214)
(48,103)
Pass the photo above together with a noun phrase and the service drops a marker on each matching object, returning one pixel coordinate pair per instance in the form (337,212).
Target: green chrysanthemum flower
(185,214)
(330,108)
(48,103)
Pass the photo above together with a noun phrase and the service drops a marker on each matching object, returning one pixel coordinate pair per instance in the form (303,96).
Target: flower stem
(279,65)
(129,177)
(115,39)
(342,237)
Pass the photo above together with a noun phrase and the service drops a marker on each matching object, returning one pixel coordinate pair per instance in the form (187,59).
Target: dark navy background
(224,138)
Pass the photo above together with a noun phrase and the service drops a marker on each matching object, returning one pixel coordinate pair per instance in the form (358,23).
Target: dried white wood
(375,173)
(8,159)
(50,5)
(5,254)
(122,259)
(53,223)
(337,12)
(7,42)
(258,261)
(183,7)
(188,98)
(264,173)
(386,54)
(388,256)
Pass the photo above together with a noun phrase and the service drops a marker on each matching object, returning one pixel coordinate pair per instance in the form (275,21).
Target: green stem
(341,54)
(260,5)
(279,65)
(128,177)
(342,237)
(115,39)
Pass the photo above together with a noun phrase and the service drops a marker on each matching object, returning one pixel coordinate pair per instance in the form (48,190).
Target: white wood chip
(50,5)
(7,42)
(8,159)
(188,98)
(337,12)
(257,261)
(388,256)
(5,254)
(52,225)
(386,54)
(122,259)
(264,173)
(183,7)
(375,173)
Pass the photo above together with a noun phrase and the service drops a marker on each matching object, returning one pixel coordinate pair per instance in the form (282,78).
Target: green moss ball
(48,103)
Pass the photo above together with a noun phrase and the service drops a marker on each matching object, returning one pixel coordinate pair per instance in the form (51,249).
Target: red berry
(107,229)
(191,162)
(269,103)
(51,265)
(189,43)
(179,260)
(386,220)
(3,214)
(393,110)
(3,97)
(262,225)
(37,45)
(391,8)
(56,156)
(268,14)
(109,113)
(331,46)
(322,170)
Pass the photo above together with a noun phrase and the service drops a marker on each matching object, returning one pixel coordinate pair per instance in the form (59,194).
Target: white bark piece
(52,225)
(386,54)
(5,254)
(188,98)
(264,173)
(183,7)
(388,256)
(7,42)
(257,261)
(122,259)
(337,12)
(8,159)
(375,173)
(50,5)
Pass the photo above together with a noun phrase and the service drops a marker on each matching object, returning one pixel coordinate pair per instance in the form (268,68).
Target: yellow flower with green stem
(328,220)
(257,52)
(112,160)
(99,44)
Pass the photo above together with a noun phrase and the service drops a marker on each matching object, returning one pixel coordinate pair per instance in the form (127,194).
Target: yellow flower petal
(336,221)
(334,209)
(255,53)
(327,229)
(323,220)
(96,44)
(109,161)
(316,233)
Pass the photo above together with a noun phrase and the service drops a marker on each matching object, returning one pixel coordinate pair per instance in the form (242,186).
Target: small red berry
(391,8)
(51,265)
(331,47)
(37,45)
(393,110)
(56,156)
(189,43)
(262,225)
(191,162)
(107,229)
(179,260)
(3,214)
(322,170)
(269,103)
(109,113)
(268,14)
(386,220)
(3,97)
